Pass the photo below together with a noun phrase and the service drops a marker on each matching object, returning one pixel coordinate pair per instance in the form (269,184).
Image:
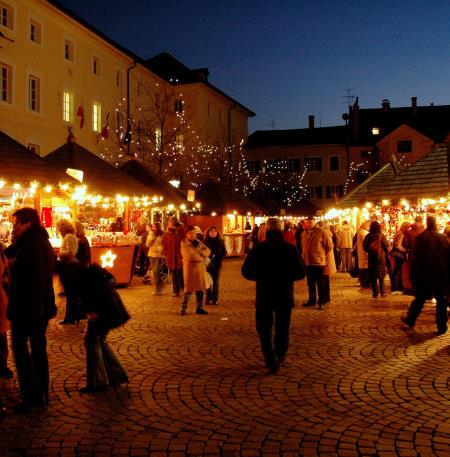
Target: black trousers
(316,286)
(212,294)
(417,304)
(32,362)
(177,280)
(273,347)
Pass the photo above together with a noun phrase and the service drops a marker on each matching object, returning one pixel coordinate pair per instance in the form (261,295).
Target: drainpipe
(128,132)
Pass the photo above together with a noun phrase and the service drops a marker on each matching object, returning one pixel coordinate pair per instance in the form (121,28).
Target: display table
(117,259)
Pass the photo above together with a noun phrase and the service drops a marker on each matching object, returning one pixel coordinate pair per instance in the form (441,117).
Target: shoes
(397,292)
(117,382)
(157,292)
(374,295)
(200,311)
(442,331)
(183,312)
(215,303)
(274,367)
(404,319)
(308,303)
(6,373)
(383,294)
(175,294)
(25,407)
(92,389)
(64,322)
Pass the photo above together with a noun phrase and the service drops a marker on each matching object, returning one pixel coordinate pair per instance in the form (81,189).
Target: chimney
(201,73)
(414,105)
(385,104)
(311,121)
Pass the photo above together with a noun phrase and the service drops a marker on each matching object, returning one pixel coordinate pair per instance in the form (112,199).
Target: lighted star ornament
(108,259)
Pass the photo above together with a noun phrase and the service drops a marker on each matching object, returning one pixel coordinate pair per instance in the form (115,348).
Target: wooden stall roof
(99,176)
(19,165)
(151,180)
(215,197)
(428,177)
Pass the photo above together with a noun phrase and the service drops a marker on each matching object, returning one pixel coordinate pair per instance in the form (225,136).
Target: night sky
(288,59)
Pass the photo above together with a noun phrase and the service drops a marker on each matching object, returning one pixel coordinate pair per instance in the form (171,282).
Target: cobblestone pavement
(353,384)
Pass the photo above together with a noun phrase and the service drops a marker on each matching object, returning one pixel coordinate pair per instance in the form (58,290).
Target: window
(273,165)
(404,146)
(6,15)
(119,78)
(97,66)
(69,50)
(34,148)
(334,191)
(293,165)
(254,166)
(179,140)
(6,83)
(35,31)
(313,163)
(334,163)
(34,94)
(158,139)
(375,130)
(68,106)
(178,106)
(314,192)
(96,117)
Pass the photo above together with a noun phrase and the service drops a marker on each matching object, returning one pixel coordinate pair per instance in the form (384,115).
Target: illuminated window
(179,141)
(96,117)
(334,191)
(314,192)
(158,139)
(68,106)
(97,66)
(313,164)
(34,148)
(69,50)
(35,31)
(119,78)
(34,94)
(334,163)
(6,83)
(375,130)
(178,106)
(6,15)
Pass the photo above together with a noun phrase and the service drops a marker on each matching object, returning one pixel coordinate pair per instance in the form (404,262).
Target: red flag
(80,113)
(104,132)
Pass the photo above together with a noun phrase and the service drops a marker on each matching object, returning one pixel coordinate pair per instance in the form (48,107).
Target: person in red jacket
(172,252)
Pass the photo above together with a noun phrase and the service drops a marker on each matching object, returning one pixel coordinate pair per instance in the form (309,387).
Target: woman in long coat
(194,253)
(5,372)
(172,252)
(330,269)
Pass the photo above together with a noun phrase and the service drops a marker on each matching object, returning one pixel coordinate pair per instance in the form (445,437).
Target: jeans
(212,294)
(177,280)
(273,347)
(155,263)
(31,363)
(102,366)
(315,281)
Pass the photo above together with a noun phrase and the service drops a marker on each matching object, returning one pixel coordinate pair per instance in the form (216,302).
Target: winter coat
(274,264)
(155,245)
(194,268)
(84,251)
(316,244)
(31,295)
(4,323)
(363,257)
(376,245)
(430,263)
(69,248)
(218,251)
(289,236)
(345,239)
(330,267)
(172,248)
(410,236)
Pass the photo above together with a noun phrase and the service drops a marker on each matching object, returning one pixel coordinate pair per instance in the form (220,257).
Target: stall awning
(429,177)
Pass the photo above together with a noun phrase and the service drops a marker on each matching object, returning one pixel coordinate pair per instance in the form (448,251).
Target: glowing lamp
(108,259)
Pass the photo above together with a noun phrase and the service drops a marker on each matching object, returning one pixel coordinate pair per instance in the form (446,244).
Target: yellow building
(60,73)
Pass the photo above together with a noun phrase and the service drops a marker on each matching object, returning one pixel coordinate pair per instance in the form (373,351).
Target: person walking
(408,243)
(345,245)
(398,256)
(172,252)
(155,247)
(194,253)
(142,255)
(430,274)
(31,305)
(5,372)
(316,245)
(69,271)
(376,245)
(215,243)
(274,264)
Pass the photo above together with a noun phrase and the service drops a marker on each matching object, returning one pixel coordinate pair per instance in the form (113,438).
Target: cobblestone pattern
(354,383)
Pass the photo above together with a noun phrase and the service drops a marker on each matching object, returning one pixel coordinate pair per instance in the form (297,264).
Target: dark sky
(288,59)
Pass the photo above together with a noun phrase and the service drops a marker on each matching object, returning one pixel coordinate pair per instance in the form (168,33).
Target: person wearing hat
(274,264)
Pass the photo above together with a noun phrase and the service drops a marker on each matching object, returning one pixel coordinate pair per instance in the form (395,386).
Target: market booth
(393,195)
(233,214)
(107,203)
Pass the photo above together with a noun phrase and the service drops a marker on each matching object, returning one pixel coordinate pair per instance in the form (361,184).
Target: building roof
(298,137)
(428,177)
(175,72)
(19,165)
(215,197)
(152,181)
(99,176)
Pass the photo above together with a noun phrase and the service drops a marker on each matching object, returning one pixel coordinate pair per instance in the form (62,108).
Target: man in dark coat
(31,305)
(430,273)
(274,264)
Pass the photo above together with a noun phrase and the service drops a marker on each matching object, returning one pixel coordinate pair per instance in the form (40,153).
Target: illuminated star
(108,259)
